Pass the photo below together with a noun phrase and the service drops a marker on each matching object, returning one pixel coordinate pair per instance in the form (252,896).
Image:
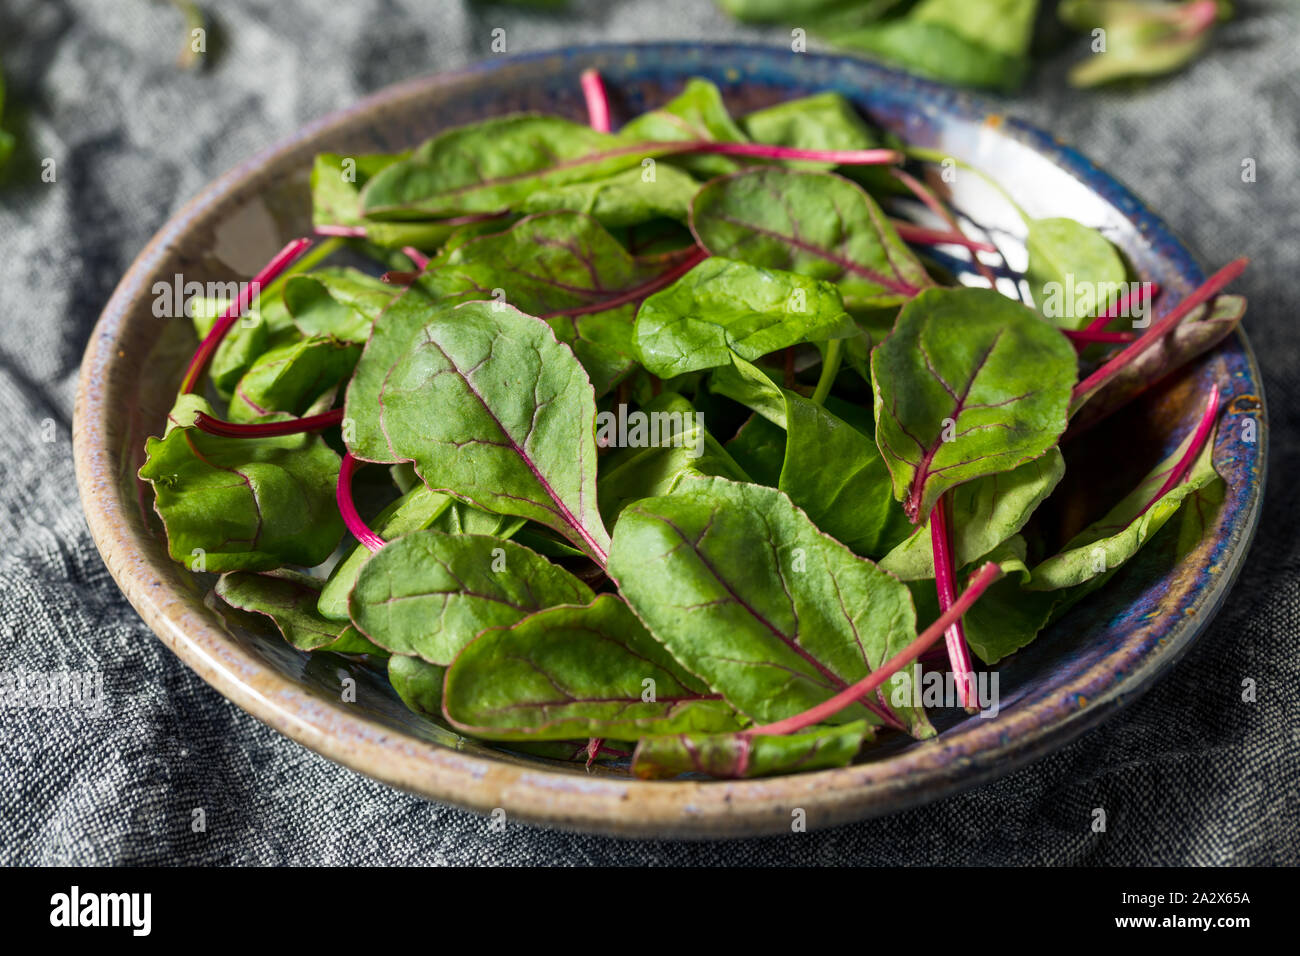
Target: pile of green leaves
(989,43)
(532,570)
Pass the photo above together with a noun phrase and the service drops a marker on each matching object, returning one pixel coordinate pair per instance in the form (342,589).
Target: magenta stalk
(931,202)
(1184,464)
(1083,337)
(945,583)
(840,157)
(343,494)
(593,90)
(851,695)
(923,236)
(293,426)
(344,232)
(282,260)
(1117,308)
(696,256)
(416,256)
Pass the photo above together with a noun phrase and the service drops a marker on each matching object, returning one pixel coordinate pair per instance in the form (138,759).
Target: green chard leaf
(577,671)
(338,302)
(745,591)
(697,113)
(418,683)
(414,511)
(1073,270)
(289,599)
(981,515)
(1003,26)
(629,198)
(429,593)
(970,383)
(265,326)
(759,449)
(823,121)
(780,11)
(290,378)
(563,267)
(244,504)
(815,223)
(837,476)
(753,387)
(722,306)
(830,469)
(740,755)
(497,163)
(675,444)
(489,407)
(1108,543)
(336,182)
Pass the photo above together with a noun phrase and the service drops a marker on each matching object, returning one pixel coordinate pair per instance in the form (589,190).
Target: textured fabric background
(1189,774)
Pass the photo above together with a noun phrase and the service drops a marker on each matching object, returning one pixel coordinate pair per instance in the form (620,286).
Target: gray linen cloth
(1188,774)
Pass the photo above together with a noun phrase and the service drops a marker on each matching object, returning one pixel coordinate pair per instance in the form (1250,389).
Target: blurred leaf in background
(1136,38)
(987,43)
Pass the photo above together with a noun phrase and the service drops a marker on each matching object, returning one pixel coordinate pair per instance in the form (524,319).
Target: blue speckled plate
(1101,655)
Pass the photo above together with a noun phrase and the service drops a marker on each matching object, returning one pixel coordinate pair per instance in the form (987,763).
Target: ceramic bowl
(1101,655)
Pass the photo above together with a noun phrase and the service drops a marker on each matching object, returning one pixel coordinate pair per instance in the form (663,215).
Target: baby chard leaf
(289,599)
(1007,617)
(1109,542)
(829,468)
(418,683)
(815,223)
(629,198)
(746,592)
(746,383)
(577,671)
(336,182)
(983,514)
(684,447)
(759,449)
(1005,26)
(250,504)
(414,511)
(489,407)
(1142,38)
(1073,270)
(290,378)
(938,50)
(496,164)
(266,325)
(429,593)
(566,268)
(341,303)
(970,383)
(741,755)
(822,121)
(697,113)
(836,474)
(723,306)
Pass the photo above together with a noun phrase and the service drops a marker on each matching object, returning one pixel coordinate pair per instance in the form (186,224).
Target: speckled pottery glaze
(1102,654)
